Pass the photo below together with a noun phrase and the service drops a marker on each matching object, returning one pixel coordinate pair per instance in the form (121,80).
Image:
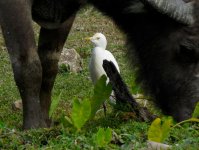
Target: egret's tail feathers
(122,94)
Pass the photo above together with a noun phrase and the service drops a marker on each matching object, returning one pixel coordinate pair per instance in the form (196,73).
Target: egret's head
(99,40)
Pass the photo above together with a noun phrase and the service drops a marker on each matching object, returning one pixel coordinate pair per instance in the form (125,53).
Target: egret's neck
(101,45)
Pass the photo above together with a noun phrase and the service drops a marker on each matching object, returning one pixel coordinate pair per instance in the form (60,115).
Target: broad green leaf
(103,137)
(54,104)
(166,127)
(155,131)
(100,137)
(159,130)
(108,135)
(102,92)
(196,111)
(80,112)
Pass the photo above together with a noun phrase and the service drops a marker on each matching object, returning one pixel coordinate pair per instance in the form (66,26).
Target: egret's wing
(95,65)
(109,56)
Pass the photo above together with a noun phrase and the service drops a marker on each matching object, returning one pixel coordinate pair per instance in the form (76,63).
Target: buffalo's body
(166,51)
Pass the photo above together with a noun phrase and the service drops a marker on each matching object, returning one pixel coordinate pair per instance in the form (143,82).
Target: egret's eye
(98,38)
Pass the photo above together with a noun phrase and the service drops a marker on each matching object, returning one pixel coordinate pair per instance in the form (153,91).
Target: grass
(128,133)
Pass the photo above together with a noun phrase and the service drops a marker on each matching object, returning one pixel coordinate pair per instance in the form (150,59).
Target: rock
(70,61)
(17,105)
(157,146)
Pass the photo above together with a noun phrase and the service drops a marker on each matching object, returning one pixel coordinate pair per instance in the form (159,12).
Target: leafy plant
(54,104)
(196,111)
(103,137)
(2,126)
(188,120)
(63,68)
(159,129)
(194,117)
(80,113)
(102,91)
(86,109)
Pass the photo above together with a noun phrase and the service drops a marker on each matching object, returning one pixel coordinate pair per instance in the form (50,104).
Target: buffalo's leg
(51,42)
(15,18)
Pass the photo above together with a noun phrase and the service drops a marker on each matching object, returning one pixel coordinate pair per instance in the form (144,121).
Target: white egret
(99,53)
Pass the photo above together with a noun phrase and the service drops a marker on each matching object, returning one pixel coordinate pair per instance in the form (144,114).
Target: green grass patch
(126,132)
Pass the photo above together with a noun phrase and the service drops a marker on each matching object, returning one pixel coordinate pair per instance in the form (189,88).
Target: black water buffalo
(162,35)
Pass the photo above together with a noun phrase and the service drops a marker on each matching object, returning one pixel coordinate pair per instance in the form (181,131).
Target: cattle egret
(99,53)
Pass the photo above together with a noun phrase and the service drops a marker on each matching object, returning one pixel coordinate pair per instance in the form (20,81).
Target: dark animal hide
(165,52)
(162,37)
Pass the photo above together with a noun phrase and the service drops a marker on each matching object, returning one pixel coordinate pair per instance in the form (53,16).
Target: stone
(17,105)
(70,61)
(157,146)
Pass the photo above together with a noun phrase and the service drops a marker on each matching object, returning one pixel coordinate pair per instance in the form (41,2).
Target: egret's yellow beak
(88,38)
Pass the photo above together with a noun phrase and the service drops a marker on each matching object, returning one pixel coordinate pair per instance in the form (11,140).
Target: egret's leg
(104,107)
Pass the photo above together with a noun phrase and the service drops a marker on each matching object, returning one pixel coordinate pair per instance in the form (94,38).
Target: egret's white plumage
(99,53)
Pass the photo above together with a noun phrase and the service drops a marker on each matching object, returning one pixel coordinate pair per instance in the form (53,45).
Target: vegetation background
(127,132)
